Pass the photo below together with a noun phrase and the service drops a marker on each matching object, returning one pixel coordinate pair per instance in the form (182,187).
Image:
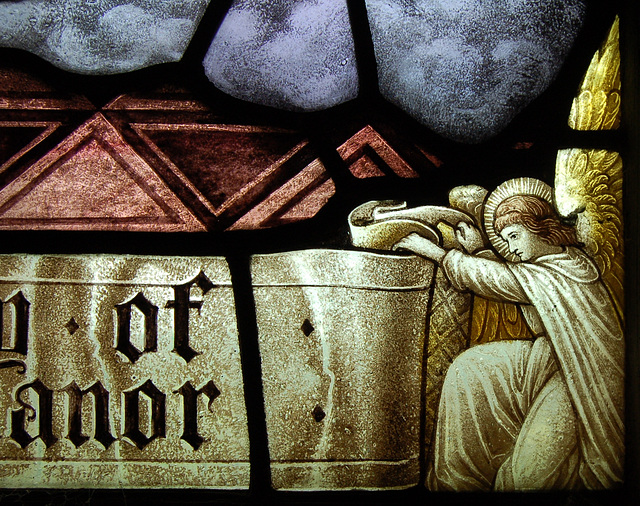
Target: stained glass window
(205,209)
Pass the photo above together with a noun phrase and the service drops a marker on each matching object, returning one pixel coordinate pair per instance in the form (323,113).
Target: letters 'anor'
(102,432)
(131,398)
(131,371)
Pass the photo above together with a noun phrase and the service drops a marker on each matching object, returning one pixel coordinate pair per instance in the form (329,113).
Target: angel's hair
(537,216)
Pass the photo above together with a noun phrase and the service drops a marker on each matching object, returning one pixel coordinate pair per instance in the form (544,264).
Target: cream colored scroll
(341,337)
(120,372)
(381,224)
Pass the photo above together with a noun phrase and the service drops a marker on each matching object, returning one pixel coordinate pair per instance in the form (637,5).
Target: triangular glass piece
(93,180)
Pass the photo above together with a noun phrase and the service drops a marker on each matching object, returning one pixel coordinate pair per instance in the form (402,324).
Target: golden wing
(588,187)
(597,105)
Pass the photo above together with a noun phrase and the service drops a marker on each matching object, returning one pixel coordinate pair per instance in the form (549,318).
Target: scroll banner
(380,224)
(124,371)
(131,374)
(342,336)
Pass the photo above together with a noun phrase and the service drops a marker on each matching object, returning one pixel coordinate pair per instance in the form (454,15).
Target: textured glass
(597,106)
(466,68)
(101,36)
(166,407)
(298,302)
(295,55)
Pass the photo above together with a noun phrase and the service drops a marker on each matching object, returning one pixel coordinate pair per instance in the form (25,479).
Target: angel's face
(522,242)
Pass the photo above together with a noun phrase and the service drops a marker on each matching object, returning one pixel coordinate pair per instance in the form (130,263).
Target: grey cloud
(101,36)
(295,55)
(465,68)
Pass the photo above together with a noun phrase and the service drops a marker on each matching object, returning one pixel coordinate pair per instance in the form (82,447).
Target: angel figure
(530,414)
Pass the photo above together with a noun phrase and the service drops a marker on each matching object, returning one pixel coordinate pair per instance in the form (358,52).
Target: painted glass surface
(316,250)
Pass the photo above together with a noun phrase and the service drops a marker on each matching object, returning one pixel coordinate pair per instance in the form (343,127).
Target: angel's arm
(488,278)
(421,246)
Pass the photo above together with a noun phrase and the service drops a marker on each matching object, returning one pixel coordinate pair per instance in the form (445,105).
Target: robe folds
(538,414)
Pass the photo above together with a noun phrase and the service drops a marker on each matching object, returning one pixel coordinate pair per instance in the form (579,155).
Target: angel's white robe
(538,414)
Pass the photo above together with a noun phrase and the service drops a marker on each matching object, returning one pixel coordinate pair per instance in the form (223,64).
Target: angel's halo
(517,186)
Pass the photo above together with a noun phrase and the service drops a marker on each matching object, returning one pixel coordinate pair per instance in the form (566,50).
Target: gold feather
(588,186)
(597,104)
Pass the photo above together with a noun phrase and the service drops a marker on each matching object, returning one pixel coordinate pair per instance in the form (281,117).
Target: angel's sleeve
(488,278)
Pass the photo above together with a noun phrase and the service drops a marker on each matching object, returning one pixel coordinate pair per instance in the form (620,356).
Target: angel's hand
(420,246)
(469,237)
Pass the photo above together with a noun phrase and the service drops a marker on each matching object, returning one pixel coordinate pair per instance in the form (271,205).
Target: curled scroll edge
(379,224)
